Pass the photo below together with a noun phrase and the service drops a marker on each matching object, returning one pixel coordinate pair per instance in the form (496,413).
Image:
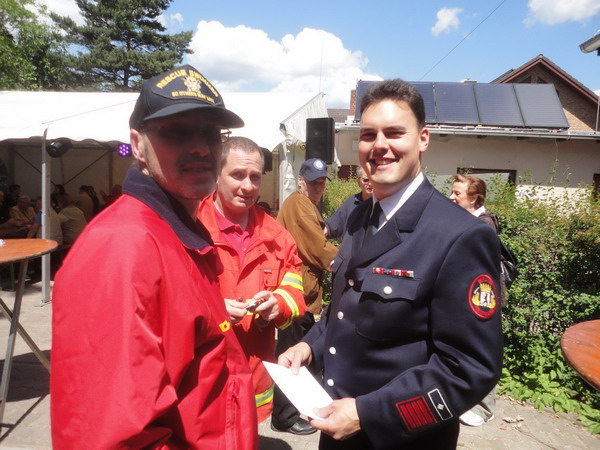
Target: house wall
(569,163)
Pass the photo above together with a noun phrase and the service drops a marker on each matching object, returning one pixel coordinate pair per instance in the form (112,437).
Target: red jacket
(143,352)
(271,263)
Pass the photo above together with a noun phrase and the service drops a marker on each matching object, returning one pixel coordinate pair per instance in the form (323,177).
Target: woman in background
(469,192)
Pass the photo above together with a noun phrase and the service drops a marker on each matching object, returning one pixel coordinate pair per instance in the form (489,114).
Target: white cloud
(243,59)
(551,12)
(171,21)
(66,8)
(447,20)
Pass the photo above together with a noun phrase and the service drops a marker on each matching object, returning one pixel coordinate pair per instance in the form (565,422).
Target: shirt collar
(479,211)
(227,226)
(190,232)
(390,205)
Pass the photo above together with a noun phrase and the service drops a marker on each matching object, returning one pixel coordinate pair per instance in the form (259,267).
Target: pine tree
(121,43)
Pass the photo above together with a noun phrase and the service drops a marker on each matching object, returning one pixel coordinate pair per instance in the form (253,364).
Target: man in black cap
(300,216)
(144,355)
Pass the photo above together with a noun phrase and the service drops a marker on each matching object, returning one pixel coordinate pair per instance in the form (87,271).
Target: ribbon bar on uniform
(394,272)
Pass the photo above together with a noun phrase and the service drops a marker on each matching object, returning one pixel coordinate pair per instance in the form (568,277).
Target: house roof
(338,115)
(548,65)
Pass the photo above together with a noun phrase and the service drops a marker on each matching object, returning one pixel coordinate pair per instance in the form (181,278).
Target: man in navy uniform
(412,337)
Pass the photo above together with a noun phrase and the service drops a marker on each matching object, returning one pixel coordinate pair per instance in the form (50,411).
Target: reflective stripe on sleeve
(293,307)
(292,279)
(265,397)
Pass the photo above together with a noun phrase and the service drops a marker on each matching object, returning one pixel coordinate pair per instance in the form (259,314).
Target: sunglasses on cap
(180,134)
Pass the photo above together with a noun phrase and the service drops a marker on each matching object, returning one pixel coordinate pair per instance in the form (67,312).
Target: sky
(328,45)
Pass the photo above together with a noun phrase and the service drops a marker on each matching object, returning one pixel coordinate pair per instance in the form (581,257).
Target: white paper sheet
(302,390)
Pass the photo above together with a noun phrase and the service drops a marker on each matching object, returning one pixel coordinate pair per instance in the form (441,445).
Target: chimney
(352,111)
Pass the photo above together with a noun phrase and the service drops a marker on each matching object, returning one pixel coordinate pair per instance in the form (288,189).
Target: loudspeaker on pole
(320,134)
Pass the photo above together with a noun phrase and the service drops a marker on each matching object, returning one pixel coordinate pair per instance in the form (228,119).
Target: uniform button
(330,382)
(340,315)
(387,290)
(332,350)
(350,282)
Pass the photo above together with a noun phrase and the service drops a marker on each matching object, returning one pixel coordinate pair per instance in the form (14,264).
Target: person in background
(71,218)
(55,234)
(260,262)
(14,191)
(92,193)
(412,337)
(336,225)
(300,216)
(143,350)
(7,223)
(54,221)
(22,213)
(59,189)
(4,210)
(115,193)
(470,192)
(265,207)
(85,203)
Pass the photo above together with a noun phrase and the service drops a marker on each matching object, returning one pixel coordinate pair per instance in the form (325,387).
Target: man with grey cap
(143,352)
(300,216)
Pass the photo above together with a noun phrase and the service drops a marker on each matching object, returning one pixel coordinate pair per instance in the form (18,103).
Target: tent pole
(46,175)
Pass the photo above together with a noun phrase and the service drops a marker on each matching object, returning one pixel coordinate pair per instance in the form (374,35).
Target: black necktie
(373,223)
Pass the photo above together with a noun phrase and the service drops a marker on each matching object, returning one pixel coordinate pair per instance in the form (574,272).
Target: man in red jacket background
(260,262)
(143,351)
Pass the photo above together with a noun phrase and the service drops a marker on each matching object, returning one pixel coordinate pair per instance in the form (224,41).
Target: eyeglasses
(180,134)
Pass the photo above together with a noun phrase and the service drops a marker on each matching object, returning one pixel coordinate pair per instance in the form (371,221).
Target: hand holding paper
(302,390)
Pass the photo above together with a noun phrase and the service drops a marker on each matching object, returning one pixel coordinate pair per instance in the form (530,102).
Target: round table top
(19,249)
(581,346)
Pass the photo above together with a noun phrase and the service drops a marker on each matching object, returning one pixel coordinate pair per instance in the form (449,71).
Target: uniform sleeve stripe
(292,304)
(292,279)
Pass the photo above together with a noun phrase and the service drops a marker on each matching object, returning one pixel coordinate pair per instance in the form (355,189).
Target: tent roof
(104,116)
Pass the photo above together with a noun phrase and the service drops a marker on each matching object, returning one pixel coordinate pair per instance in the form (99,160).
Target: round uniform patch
(319,164)
(483,299)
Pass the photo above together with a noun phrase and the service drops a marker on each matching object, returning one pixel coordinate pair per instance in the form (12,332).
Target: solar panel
(426,91)
(455,103)
(497,105)
(540,106)
(487,104)
(361,88)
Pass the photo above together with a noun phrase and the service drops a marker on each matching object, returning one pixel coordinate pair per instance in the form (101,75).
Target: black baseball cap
(313,168)
(179,90)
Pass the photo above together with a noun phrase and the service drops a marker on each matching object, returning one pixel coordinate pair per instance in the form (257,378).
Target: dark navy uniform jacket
(338,222)
(413,331)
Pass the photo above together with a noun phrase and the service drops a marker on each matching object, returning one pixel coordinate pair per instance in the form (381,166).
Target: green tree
(121,43)
(30,50)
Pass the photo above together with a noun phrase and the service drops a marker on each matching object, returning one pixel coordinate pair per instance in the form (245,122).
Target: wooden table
(581,346)
(19,250)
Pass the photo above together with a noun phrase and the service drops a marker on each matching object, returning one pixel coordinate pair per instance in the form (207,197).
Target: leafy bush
(337,192)
(557,242)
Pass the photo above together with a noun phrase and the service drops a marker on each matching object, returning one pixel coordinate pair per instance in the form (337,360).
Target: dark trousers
(284,413)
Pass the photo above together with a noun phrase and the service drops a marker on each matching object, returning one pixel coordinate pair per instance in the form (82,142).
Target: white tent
(104,116)
(93,119)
